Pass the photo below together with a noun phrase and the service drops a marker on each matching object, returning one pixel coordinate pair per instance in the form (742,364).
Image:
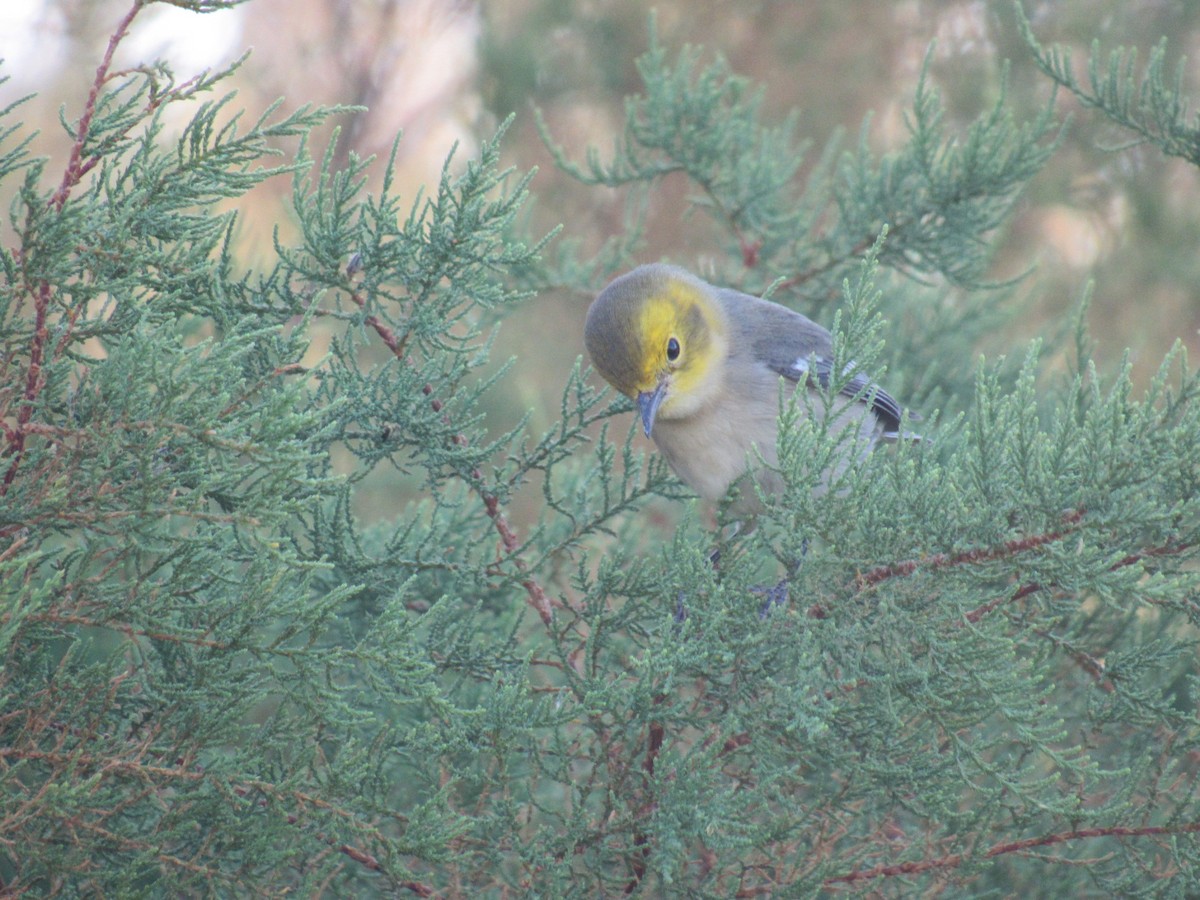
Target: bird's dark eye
(672,350)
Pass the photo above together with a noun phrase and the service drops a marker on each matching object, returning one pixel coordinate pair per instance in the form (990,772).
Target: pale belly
(710,451)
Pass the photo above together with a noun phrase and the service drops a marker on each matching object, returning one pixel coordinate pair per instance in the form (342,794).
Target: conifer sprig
(283,611)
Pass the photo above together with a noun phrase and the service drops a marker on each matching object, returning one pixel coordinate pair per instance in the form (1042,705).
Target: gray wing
(799,349)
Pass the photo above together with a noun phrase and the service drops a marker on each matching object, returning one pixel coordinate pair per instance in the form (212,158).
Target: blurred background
(447,71)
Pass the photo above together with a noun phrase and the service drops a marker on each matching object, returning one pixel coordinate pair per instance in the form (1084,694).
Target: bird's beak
(648,403)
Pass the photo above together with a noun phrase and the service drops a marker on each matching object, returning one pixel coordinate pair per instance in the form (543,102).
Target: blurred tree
(220,677)
(1127,218)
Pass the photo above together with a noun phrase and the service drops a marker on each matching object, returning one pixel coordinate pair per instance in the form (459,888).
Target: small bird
(704,366)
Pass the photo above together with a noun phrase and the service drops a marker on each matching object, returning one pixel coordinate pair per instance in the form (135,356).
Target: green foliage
(941,197)
(220,677)
(1154,108)
(938,196)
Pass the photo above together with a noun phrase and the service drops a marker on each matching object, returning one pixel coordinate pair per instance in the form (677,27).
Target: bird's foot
(778,594)
(772,596)
(681,614)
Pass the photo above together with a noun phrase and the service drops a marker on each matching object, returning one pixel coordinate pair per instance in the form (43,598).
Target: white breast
(711,449)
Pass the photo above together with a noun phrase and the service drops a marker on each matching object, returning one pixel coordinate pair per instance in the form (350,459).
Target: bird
(704,365)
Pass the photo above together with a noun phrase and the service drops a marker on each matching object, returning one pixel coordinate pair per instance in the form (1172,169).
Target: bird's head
(660,336)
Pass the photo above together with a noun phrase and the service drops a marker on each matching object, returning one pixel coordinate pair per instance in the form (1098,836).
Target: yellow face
(682,341)
(660,336)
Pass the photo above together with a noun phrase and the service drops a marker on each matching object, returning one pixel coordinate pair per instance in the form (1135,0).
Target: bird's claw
(681,613)
(776,595)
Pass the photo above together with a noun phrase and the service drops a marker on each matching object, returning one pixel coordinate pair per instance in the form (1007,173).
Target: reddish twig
(277,372)
(750,251)
(141,770)
(76,166)
(1086,661)
(1149,553)
(739,740)
(954,860)
(112,838)
(74,172)
(809,274)
(1019,594)
(966,557)
(1033,587)
(981,554)
(538,598)
(144,772)
(396,345)
(641,841)
(537,594)
(128,630)
(33,386)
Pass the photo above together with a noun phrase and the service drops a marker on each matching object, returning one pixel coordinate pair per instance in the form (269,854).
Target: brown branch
(161,855)
(954,860)
(980,554)
(1086,661)
(74,172)
(1149,553)
(731,745)
(33,386)
(128,630)
(396,345)
(144,771)
(537,594)
(108,766)
(986,554)
(277,372)
(538,598)
(641,841)
(1025,590)
(421,890)
(76,168)
(1019,594)
(360,856)
(809,274)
